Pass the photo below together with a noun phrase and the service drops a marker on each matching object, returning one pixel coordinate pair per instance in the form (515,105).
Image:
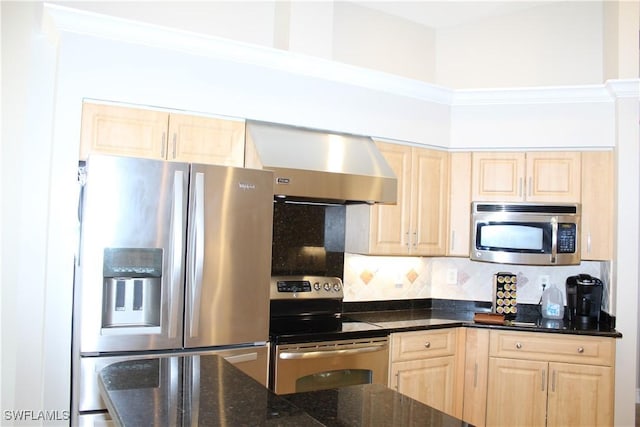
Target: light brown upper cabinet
(459,204)
(597,205)
(418,223)
(152,134)
(533,176)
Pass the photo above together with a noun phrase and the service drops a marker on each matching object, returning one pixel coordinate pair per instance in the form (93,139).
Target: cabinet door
(430,381)
(123,131)
(498,177)
(580,395)
(430,202)
(459,204)
(517,393)
(206,140)
(389,230)
(475,376)
(553,177)
(597,205)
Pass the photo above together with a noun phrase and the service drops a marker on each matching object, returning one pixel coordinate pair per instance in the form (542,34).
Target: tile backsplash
(374,278)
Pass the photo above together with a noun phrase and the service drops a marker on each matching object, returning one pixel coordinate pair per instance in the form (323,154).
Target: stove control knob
(336,287)
(316,286)
(327,286)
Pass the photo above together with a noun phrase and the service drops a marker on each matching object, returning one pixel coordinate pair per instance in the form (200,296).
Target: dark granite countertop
(209,391)
(414,315)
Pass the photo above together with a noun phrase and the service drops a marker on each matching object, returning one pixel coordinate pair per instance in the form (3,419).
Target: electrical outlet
(398,282)
(543,280)
(452,276)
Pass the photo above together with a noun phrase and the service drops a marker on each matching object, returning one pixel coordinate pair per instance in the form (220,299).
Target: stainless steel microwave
(525,233)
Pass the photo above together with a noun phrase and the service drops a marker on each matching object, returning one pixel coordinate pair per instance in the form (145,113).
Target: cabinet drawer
(423,344)
(553,347)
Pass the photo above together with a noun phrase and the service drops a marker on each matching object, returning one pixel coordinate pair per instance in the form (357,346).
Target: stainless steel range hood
(318,165)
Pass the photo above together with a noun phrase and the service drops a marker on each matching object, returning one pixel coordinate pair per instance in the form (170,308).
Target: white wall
(371,39)
(244,21)
(30,346)
(558,43)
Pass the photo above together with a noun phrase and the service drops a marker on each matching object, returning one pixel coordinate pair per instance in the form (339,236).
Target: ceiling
(448,13)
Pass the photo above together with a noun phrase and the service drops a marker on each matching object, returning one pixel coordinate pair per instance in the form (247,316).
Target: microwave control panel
(567,235)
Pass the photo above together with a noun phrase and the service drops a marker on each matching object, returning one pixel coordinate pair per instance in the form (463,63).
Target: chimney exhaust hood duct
(312,165)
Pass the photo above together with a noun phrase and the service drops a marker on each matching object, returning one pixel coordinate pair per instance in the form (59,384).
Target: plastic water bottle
(552,303)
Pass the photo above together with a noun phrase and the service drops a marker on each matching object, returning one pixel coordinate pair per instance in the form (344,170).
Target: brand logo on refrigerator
(246,186)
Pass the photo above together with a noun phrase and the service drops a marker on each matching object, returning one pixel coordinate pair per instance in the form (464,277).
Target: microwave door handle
(554,240)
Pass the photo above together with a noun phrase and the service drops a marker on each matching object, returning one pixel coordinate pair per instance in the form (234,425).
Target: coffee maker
(584,300)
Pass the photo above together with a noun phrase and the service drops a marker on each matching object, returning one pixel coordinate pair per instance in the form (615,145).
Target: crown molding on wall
(532,95)
(627,88)
(64,19)
(57,19)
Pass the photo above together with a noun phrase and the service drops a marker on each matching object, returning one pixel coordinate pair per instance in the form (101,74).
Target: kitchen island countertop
(207,390)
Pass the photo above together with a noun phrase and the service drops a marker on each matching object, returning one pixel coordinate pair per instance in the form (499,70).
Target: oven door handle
(304,354)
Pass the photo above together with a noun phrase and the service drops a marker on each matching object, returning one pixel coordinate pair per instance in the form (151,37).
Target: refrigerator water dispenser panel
(132,279)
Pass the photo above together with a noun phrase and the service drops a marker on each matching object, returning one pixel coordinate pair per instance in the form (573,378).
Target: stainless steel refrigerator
(173,258)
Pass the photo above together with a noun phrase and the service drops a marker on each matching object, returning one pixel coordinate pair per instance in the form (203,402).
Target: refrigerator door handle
(197,251)
(177,225)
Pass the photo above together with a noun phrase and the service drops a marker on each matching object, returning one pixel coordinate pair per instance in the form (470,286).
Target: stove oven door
(330,364)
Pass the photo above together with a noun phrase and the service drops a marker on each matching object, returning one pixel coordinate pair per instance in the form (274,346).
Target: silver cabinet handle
(427,345)
(415,239)
(580,350)
(544,380)
(175,143)
(520,185)
(475,374)
(530,190)
(553,381)
(518,345)
(453,240)
(407,240)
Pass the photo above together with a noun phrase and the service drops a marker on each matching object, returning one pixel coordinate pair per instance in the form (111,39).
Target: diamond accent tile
(412,275)
(366,276)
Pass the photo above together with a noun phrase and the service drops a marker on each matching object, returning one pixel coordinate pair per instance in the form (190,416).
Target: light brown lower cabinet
(541,379)
(428,366)
(507,378)
(476,366)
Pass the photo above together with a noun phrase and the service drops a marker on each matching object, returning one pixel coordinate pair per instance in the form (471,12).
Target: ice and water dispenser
(132,290)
